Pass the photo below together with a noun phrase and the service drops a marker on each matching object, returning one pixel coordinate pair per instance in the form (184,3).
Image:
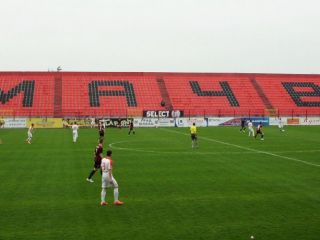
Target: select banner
(45,122)
(162,114)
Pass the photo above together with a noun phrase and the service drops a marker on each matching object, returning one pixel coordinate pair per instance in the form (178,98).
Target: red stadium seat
(68,94)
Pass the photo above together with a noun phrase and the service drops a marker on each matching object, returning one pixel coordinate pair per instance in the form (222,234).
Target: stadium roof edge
(159,74)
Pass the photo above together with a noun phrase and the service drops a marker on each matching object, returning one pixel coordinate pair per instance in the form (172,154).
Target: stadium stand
(67,94)
(107,94)
(216,95)
(26,94)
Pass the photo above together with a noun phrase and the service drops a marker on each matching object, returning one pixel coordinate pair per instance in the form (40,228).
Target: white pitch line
(112,145)
(248,149)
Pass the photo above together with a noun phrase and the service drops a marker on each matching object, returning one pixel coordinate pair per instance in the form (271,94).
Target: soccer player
(2,122)
(1,126)
(108,180)
(93,123)
(194,138)
(250,127)
(30,130)
(280,125)
(243,126)
(131,128)
(75,128)
(259,131)
(119,123)
(97,161)
(101,132)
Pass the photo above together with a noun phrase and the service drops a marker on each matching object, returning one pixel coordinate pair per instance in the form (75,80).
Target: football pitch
(230,188)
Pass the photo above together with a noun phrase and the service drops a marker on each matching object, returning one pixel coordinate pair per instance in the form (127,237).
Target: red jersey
(98,153)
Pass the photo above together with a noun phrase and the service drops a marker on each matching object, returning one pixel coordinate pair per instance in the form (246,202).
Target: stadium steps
(58,97)
(261,94)
(164,94)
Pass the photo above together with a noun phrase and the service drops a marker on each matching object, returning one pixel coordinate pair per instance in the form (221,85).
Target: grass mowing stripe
(248,149)
(113,145)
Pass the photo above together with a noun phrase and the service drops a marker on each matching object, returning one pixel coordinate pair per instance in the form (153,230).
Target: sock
(91,174)
(103,195)
(116,194)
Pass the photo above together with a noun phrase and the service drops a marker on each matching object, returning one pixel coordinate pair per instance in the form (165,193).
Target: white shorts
(106,182)
(29,135)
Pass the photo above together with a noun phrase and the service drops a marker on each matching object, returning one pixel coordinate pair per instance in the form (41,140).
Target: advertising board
(154,122)
(45,122)
(116,122)
(187,122)
(15,122)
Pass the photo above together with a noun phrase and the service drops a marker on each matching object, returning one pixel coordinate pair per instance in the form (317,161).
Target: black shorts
(193,136)
(97,164)
(259,132)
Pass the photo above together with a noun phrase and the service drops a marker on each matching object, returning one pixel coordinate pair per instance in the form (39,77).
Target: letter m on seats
(27,86)
(127,91)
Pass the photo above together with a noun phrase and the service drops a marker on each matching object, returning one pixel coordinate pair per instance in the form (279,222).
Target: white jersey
(30,130)
(280,124)
(250,125)
(75,128)
(106,165)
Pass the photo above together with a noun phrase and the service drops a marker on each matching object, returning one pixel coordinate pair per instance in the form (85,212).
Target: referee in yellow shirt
(193,131)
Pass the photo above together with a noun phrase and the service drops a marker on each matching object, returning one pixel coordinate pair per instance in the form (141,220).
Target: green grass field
(231,187)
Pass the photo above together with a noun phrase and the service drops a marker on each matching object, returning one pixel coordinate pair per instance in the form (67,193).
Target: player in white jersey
(108,180)
(93,122)
(250,127)
(30,130)
(280,125)
(75,128)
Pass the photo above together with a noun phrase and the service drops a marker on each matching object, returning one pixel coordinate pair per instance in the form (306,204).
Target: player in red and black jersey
(243,125)
(101,132)
(259,131)
(97,161)
(131,129)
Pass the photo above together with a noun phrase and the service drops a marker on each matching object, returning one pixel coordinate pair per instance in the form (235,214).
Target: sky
(244,36)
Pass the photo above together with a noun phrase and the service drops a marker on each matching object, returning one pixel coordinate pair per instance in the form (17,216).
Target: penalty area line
(248,149)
